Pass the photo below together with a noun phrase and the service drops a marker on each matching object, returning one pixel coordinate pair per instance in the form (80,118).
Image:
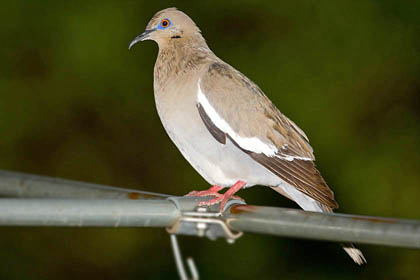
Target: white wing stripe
(252,144)
(290,158)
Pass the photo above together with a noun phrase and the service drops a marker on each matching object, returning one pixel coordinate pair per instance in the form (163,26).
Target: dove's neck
(179,57)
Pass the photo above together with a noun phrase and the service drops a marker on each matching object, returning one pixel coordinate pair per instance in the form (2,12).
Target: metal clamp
(202,221)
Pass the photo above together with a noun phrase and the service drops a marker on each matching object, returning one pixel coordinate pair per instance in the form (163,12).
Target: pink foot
(219,198)
(213,191)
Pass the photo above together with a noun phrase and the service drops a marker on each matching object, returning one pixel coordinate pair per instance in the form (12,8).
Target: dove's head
(168,25)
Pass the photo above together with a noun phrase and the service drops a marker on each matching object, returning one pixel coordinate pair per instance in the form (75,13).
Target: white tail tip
(355,254)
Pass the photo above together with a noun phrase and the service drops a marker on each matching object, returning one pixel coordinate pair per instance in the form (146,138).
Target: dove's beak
(143,36)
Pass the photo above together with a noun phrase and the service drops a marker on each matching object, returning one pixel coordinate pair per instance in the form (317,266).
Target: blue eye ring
(164,23)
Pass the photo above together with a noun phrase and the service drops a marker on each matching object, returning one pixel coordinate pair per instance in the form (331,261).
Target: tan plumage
(223,123)
(258,117)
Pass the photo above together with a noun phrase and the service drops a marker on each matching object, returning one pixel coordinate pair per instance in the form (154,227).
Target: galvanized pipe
(247,218)
(95,205)
(87,213)
(331,227)
(14,184)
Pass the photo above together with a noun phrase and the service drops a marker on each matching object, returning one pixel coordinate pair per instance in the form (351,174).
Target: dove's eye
(164,23)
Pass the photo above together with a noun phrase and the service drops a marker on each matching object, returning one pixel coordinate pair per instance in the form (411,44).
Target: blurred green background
(76,104)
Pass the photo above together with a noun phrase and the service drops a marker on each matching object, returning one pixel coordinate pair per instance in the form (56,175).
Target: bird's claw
(222,199)
(213,191)
(219,198)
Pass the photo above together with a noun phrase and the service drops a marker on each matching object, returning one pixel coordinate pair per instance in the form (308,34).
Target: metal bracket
(198,221)
(202,221)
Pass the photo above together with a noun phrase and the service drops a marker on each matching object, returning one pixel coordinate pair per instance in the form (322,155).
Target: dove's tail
(354,253)
(309,204)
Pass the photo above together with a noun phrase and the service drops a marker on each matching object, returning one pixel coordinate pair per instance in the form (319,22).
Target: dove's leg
(223,198)
(213,191)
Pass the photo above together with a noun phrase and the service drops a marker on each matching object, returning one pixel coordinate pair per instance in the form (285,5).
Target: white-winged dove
(225,126)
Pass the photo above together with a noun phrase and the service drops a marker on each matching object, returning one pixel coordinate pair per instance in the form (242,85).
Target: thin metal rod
(193,269)
(331,227)
(178,258)
(81,213)
(180,264)
(14,184)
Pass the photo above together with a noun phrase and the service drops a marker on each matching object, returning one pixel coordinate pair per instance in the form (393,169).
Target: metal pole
(181,215)
(331,227)
(14,184)
(92,213)
(247,218)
